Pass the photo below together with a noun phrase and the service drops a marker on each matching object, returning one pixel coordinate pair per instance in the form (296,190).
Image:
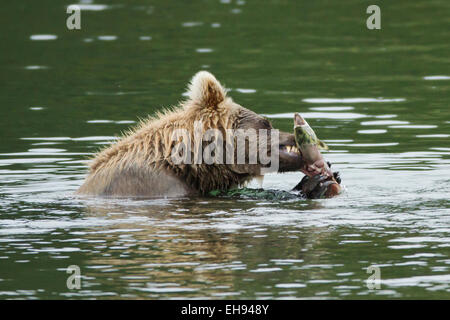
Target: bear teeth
(292,149)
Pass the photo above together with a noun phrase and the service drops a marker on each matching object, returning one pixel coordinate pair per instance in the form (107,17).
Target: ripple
(107,38)
(36,67)
(407,246)
(383,122)
(386,116)
(440,149)
(92,7)
(191,24)
(204,50)
(125,121)
(43,37)
(343,108)
(411,126)
(290,285)
(92,138)
(225,294)
(241,90)
(203,248)
(111,121)
(117,93)
(66,249)
(95,138)
(433,135)
(266,270)
(386,144)
(318,115)
(423,255)
(286,261)
(374,131)
(166,290)
(100,121)
(415,281)
(420,239)
(437,78)
(351,100)
(46,150)
(47,138)
(34,160)
(353,241)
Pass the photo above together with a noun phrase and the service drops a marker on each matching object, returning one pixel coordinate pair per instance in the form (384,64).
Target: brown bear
(140,163)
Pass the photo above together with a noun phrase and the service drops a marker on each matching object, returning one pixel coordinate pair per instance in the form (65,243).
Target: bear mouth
(290,149)
(290,152)
(290,158)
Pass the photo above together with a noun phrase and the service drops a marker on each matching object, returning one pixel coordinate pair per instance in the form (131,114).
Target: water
(379,99)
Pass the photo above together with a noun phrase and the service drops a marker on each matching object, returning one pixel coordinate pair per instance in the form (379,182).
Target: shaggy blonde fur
(140,164)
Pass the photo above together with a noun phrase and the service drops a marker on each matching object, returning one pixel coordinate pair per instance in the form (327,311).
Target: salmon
(309,146)
(316,168)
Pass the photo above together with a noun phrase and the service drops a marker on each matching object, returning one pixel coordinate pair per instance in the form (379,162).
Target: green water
(378,98)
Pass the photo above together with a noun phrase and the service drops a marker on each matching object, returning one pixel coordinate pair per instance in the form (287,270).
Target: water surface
(378,98)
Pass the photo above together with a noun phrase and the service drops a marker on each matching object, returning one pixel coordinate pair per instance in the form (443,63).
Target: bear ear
(206,90)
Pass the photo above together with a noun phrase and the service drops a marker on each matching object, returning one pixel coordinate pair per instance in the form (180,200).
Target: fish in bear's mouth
(292,156)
